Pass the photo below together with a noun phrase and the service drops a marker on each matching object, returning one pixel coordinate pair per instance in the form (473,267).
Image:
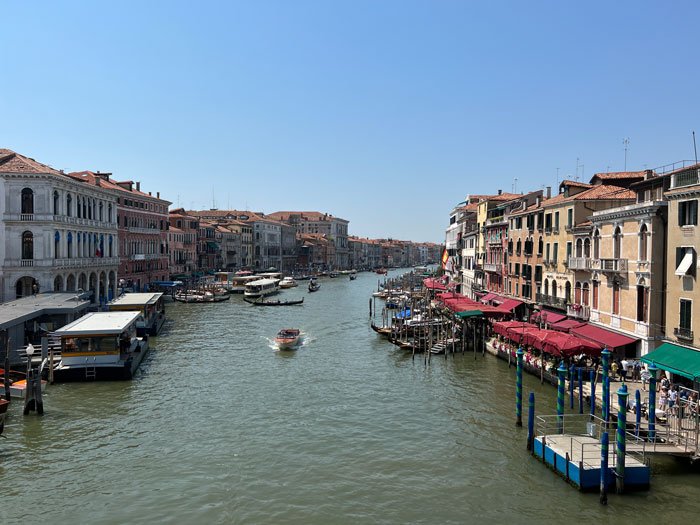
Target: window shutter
(681,205)
(693,212)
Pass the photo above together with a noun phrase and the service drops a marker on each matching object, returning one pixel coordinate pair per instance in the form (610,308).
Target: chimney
(158,195)
(500,192)
(138,186)
(549,192)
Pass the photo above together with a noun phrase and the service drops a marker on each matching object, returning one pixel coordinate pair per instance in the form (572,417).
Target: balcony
(556,302)
(26,217)
(609,265)
(579,263)
(578,311)
(683,334)
(493,268)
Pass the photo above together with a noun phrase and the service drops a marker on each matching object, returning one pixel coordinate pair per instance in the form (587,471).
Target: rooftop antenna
(515,184)
(695,148)
(626,143)
(213,199)
(557,176)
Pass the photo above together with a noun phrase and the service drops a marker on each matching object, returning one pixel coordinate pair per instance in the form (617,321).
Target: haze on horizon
(383,113)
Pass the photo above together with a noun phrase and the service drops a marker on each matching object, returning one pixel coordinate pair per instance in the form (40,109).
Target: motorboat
(314,285)
(18,383)
(288,339)
(288,282)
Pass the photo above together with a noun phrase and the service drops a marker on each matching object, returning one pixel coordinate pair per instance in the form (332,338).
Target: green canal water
(220,428)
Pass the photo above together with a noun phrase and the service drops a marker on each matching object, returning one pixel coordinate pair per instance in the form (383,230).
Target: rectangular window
(595,295)
(547,253)
(616,299)
(570,217)
(556,252)
(556,221)
(569,247)
(685,314)
(688,213)
(517,269)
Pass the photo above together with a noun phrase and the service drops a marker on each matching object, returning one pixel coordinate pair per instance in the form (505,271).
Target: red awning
(547,316)
(519,334)
(566,325)
(537,338)
(510,304)
(433,284)
(568,345)
(501,327)
(602,336)
(486,298)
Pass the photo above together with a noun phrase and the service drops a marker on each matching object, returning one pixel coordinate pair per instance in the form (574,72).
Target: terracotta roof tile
(618,175)
(12,162)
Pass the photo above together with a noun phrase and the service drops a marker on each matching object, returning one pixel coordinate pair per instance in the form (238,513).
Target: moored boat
(288,338)
(100,346)
(150,305)
(18,383)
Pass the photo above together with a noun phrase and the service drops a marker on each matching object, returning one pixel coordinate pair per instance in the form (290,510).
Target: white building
(58,233)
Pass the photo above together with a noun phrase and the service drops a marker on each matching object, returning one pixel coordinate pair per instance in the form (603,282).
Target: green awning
(469,313)
(676,359)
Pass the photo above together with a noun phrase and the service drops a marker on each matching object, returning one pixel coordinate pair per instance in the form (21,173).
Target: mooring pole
(6,379)
(592,394)
(621,437)
(606,386)
(561,371)
(519,388)
(572,382)
(638,412)
(604,468)
(580,390)
(531,422)
(651,409)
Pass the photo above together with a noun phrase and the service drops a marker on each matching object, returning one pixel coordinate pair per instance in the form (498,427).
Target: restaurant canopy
(500,327)
(547,316)
(510,304)
(559,343)
(676,359)
(566,325)
(486,298)
(603,337)
(433,284)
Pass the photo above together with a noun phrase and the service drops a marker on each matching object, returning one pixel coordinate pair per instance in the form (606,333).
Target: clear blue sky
(386,113)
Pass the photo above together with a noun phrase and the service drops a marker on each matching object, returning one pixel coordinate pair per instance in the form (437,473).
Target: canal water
(218,427)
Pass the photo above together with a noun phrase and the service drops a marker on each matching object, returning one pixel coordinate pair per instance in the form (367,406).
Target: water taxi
(238,282)
(100,346)
(288,282)
(288,338)
(261,288)
(151,306)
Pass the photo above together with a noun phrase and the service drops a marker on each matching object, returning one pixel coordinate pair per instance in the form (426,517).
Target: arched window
(616,298)
(540,246)
(79,249)
(643,238)
(56,203)
(69,205)
(577,293)
(110,246)
(89,210)
(567,292)
(586,248)
(56,245)
(84,208)
(596,244)
(642,301)
(585,294)
(579,248)
(617,243)
(554,288)
(518,247)
(510,246)
(27,245)
(546,287)
(69,238)
(27,201)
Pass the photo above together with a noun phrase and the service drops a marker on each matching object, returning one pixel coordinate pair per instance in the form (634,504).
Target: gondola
(314,286)
(273,303)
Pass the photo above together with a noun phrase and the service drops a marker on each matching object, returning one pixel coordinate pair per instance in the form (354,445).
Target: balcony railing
(27,262)
(609,265)
(579,263)
(683,334)
(578,311)
(492,267)
(556,302)
(26,217)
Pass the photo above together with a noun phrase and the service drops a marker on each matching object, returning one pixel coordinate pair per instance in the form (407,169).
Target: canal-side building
(189,226)
(58,233)
(142,220)
(683,296)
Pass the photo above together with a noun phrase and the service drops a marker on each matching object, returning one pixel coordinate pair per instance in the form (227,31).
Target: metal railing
(579,263)
(683,333)
(493,267)
(685,178)
(557,302)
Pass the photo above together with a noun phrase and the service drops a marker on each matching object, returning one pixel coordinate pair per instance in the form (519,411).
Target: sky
(384,113)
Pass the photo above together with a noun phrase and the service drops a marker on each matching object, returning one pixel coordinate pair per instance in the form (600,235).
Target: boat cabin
(261,287)
(100,345)
(151,306)
(239,282)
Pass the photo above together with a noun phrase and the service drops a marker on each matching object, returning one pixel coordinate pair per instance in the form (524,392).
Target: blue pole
(571,386)
(621,436)
(519,388)
(580,390)
(592,393)
(561,389)
(605,354)
(531,421)
(638,410)
(651,409)
(604,468)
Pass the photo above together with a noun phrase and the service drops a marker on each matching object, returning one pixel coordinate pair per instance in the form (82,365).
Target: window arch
(69,238)
(567,292)
(78,208)
(27,245)
(100,212)
(585,294)
(56,245)
(579,248)
(540,246)
(643,243)
(69,204)
(586,247)
(596,244)
(546,287)
(554,288)
(617,243)
(56,202)
(27,204)
(109,212)
(517,247)
(577,293)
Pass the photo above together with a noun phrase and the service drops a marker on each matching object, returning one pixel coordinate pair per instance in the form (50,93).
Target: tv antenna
(626,143)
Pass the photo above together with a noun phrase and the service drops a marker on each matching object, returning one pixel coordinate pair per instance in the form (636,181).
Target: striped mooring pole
(604,468)
(519,388)
(638,412)
(561,372)
(606,386)
(621,437)
(572,382)
(580,390)
(531,422)
(592,393)
(651,409)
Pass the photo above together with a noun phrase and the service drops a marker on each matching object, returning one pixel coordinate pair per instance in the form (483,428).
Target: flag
(445,258)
